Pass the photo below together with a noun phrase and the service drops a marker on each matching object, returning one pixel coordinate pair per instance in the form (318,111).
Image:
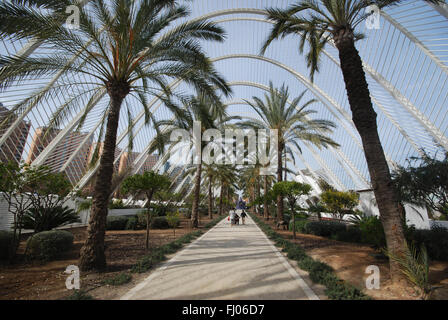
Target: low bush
(79,295)
(116,222)
(48,245)
(134,223)
(159,223)
(435,240)
(6,239)
(324,228)
(119,279)
(300,225)
(350,234)
(372,231)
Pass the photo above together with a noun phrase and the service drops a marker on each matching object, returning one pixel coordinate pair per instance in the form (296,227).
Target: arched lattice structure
(405,61)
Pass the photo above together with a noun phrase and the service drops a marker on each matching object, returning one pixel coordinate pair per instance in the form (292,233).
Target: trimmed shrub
(300,225)
(116,222)
(159,223)
(48,245)
(435,241)
(350,234)
(6,239)
(324,228)
(133,223)
(372,231)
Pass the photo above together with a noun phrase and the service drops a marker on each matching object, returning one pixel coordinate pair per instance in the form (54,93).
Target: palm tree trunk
(210,199)
(364,117)
(252,198)
(197,190)
(148,220)
(221,194)
(92,254)
(279,179)
(257,195)
(265,202)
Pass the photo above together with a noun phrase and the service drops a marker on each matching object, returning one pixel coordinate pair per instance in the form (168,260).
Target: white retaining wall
(7,218)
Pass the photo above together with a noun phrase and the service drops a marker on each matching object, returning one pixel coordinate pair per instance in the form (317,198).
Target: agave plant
(44,219)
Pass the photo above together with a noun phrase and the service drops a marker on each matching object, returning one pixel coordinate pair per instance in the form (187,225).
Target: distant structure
(62,152)
(13,147)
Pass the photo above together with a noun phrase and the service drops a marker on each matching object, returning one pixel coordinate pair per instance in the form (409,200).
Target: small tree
(25,188)
(340,203)
(292,191)
(315,206)
(173,218)
(148,184)
(14,182)
(424,183)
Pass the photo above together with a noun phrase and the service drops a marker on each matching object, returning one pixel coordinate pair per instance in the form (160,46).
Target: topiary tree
(148,184)
(340,203)
(292,191)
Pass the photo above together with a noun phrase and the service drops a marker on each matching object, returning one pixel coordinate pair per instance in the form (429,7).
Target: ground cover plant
(319,272)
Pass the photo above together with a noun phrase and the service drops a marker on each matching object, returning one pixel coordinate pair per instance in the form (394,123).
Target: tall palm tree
(225,175)
(209,114)
(293,125)
(124,48)
(317,23)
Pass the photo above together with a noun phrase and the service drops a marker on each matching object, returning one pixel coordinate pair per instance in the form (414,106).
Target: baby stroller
(237,219)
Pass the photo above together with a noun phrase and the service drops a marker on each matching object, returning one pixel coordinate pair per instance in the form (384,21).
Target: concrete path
(237,262)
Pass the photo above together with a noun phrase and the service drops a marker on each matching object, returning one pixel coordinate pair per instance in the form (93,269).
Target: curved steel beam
(335,151)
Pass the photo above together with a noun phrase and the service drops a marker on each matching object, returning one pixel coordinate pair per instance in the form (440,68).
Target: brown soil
(35,281)
(350,260)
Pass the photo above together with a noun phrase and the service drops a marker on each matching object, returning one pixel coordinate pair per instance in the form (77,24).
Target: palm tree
(226,175)
(207,113)
(124,48)
(292,123)
(318,23)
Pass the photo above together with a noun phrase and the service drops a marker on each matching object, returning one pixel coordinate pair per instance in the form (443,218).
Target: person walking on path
(232,215)
(243,216)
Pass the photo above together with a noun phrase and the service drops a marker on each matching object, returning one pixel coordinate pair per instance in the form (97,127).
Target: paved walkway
(236,262)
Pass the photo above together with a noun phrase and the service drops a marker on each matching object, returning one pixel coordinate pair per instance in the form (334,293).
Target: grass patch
(79,295)
(319,272)
(119,279)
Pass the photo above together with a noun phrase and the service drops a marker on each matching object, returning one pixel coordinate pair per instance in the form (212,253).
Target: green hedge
(300,225)
(435,241)
(319,272)
(48,245)
(324,228)
(6,239)
(159,223)
(159,254)
(117,222)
